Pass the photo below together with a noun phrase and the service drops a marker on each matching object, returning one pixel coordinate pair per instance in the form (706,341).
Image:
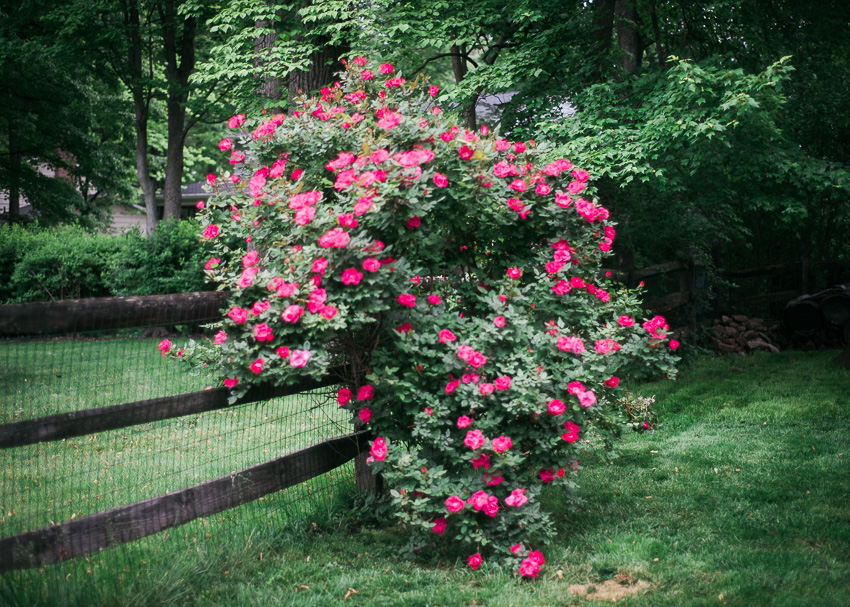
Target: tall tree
(58,112)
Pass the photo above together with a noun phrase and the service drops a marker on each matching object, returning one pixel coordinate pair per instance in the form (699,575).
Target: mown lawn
(741,497)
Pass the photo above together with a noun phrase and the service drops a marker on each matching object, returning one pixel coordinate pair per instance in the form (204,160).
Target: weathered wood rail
(90,421)
(121,525)
(110,313)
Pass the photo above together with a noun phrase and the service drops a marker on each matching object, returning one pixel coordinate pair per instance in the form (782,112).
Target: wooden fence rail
(121,525)
(109,313)
(89,421)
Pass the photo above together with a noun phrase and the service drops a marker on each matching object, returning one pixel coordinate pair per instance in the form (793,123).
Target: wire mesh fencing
(192,467)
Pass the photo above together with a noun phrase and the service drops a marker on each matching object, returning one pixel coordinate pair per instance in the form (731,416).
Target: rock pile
(739,334)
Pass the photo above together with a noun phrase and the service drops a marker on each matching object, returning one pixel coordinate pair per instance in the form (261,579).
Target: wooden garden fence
(123,524)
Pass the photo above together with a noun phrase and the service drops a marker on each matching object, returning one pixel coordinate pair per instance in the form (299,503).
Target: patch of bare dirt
(622,586)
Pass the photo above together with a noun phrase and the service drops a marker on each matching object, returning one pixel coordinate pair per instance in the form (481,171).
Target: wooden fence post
(364,480)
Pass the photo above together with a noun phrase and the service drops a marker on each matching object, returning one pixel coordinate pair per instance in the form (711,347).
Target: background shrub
(70,262)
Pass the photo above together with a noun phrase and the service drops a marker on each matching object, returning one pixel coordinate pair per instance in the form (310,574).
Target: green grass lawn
(741,497)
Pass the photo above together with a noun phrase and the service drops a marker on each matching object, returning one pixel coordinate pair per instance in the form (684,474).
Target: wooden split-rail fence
(124,524)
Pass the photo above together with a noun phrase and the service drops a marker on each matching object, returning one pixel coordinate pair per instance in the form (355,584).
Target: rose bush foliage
(450,279)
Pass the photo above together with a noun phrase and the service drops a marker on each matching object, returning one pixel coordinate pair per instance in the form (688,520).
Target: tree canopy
(713,124)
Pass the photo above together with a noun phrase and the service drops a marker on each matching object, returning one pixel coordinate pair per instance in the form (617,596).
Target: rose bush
(450,279)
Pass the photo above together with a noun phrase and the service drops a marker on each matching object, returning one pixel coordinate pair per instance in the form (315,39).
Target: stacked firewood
(739,334)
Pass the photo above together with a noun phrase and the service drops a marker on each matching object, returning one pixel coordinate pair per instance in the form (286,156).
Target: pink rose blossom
(499,321)
(328,311)
(434,300)
(516,498)
(478,500)
(451,386)
(220,337)
(586,398)
(604,346)
(503,383)
(495,479)
(501,444)
(386,68)
(455,504)
(257,366)
(365,415)
(283,352)
(463,421)
(477,360)
(263,332)
(211,231)
(571,344)
(379,449)
(514,273)
(164,346)
(292,313)
(371,264)
(343,396)
(347,220)
(236,121)
(571,434)
(319,265)
(466,152)
(389,120)
(446,336)
(518,185)
(546,475)
(351,277)
(405,328)
(366,392)
(673,344)
(212,261)
(237,314)
(342,160)
(439,525)
(408,300)
(413,222)
(556,407)
(299,358)
(486,389)
(433,90)
(481,461)
(440,180)
(230,382)
(612,381)
(474,439)
(529,568)
(334,238)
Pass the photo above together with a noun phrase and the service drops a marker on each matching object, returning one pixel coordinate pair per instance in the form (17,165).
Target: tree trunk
(603,29)
(656,30)
(141,106)
(459,68)
(14,176)
(323,64)
(142,162)
(178,94)
(628,36)
(268,86)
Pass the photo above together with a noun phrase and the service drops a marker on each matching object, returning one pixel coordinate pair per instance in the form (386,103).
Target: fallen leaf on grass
(349,593)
